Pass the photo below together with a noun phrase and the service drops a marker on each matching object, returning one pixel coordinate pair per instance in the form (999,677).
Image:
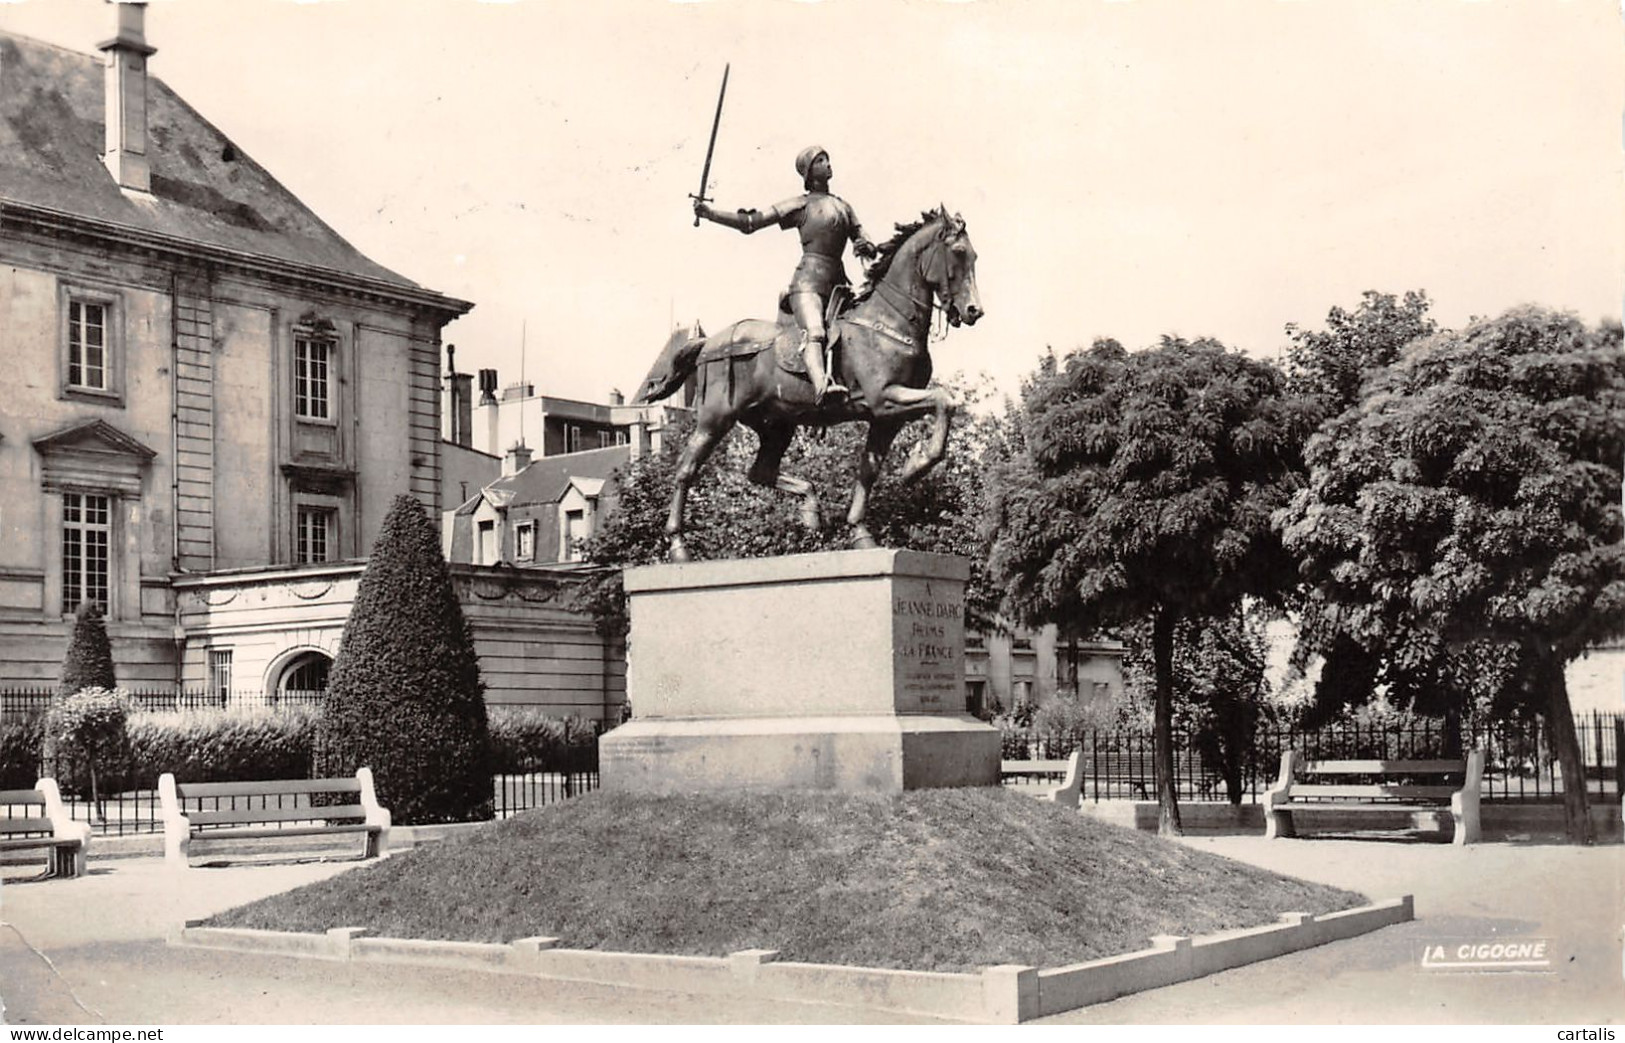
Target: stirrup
(831,387)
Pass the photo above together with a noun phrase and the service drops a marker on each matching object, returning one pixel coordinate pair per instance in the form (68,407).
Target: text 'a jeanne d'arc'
(931,609)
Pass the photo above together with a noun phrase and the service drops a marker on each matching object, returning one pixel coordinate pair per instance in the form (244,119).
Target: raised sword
(705,174)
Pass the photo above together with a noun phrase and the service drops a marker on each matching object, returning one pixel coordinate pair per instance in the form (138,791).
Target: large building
(213,400)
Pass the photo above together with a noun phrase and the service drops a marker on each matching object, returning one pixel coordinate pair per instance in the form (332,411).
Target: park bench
(1392,790)
(269,810)
(44,823)
(1065,793)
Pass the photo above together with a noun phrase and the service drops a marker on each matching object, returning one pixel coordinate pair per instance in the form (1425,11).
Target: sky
(1127,169)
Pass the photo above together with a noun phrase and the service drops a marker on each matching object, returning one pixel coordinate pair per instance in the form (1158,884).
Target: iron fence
(566,768)
(131,812)
(31,702)
(1520,761)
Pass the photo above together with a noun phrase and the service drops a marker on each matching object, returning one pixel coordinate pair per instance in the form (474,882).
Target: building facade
(213,400)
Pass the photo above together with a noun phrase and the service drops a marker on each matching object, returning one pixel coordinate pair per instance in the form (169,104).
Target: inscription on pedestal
(928,632)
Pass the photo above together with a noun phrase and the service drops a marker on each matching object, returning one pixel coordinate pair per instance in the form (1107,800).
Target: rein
(911,305)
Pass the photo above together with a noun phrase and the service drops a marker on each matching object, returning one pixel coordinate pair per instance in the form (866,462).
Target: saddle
(786,343)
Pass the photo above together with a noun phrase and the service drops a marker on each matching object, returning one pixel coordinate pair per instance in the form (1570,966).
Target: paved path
(1573,897)
(91,951)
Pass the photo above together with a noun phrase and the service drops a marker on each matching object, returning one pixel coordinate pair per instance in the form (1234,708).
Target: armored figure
(825,222)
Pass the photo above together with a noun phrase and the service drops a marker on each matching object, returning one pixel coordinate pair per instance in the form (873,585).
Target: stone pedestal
(840,671)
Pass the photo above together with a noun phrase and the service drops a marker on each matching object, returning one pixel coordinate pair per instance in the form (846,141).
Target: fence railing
(1520,761)
(137,811)
(28,702)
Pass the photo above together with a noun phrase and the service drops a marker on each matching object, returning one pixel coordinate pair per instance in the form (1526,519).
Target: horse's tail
(677,362)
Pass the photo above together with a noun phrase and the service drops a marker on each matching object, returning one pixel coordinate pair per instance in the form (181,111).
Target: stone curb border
(1004,995)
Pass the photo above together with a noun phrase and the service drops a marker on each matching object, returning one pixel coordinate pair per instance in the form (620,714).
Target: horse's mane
(876,270)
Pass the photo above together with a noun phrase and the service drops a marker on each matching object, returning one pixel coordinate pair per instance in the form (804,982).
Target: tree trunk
(1560,727)
(1162,645)
(1235,754)
(1452,733)
(100,813)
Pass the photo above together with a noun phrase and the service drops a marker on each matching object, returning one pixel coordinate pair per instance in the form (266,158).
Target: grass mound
(930,880)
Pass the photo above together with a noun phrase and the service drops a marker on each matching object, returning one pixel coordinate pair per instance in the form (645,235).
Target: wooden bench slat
(1329,806)
(194,790)
(26,825)
(229,815)
(21,796)
(1379,767)
(285,831)
(1373,791)
(1032,767)
(18,844)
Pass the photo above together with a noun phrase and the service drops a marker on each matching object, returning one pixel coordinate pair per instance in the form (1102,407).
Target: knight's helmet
(804,160)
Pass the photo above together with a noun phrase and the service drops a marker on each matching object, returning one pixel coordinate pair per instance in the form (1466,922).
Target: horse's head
(948,264)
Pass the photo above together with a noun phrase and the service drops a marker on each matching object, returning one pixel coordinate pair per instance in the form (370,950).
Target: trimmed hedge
(250,745)
(222,746)
(89,662)
(527,740)
(404,696)
(20,739)
(202,746)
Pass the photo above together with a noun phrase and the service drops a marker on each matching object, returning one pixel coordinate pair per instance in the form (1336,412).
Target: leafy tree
(89,662)
(1145,490)
(1468,512)
(728,517)
(1329,365)
(86,731)
(1220,694)
(405,696)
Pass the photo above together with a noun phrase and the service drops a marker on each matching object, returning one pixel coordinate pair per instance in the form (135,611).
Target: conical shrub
(404,695)
(89,662)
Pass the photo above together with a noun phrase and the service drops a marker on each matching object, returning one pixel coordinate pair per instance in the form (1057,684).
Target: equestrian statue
(830,357)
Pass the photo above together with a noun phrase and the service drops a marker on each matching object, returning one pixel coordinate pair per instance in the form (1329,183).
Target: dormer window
(312,383)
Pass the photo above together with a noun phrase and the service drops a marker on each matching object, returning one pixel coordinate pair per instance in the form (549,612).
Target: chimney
(517,460)
(616,398)
(460,414)
(126,109)
(460,390)
(491,411)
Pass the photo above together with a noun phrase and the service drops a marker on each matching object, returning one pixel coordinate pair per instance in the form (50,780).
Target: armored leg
(809,312)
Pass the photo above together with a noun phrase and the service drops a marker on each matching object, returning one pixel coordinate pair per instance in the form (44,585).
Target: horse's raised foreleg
(881,433)
(905,403)
(701,444)
(773,438)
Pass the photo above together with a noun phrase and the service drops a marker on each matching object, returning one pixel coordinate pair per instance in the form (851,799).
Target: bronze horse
(747,373)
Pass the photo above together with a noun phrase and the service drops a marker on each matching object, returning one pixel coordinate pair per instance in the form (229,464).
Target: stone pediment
(93,455)
(93,436)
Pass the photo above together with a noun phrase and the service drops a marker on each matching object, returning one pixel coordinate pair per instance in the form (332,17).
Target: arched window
(304,679)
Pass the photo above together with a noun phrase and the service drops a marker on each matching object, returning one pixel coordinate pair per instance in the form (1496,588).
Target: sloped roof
(547,479)
(205,189)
